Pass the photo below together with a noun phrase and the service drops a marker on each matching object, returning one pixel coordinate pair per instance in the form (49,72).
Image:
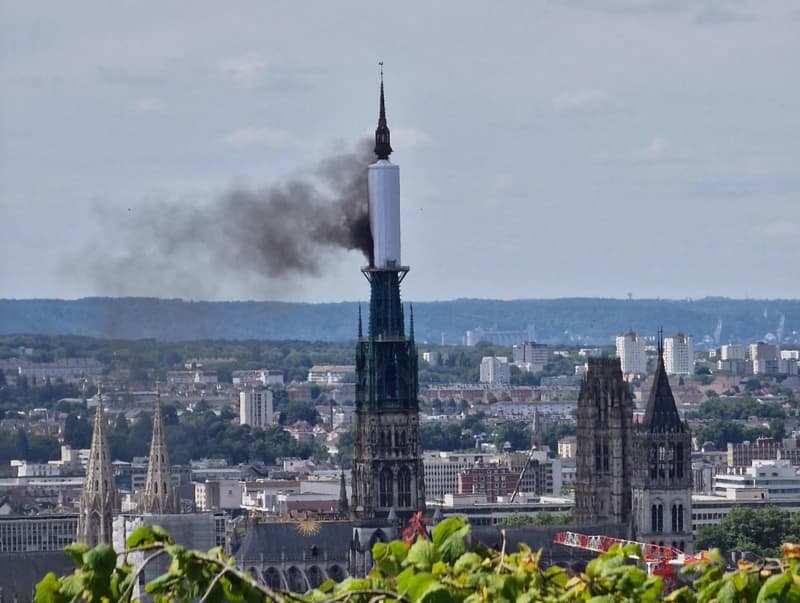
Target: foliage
(755,530)
(29,447)
(442,569)
(736,409)
(722,432)
(444,436)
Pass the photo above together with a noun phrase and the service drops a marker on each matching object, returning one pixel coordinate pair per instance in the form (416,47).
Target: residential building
(329,374)
(495,370)
(631,353)
(679,355)
(255,408)
(530,356)
(254,378)
(443,468)
(490,481)
(218,495)
(764,358)
(567,447)
(732,351)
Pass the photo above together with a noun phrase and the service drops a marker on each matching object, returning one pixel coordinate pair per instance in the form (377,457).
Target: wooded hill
(589,321)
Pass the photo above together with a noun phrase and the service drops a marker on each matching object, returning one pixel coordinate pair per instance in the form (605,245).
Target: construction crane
(661,561)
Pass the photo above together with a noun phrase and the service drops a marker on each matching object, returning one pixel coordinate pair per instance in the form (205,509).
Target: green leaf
(446,527)
(72,586)
(415,585)
(161,535)
(141,536)
(378,550)
(775,589)
(48,590)
(102,559)
(75,551)
(398,549)
(454,545)
(161,582)
(422,555)
(468,562)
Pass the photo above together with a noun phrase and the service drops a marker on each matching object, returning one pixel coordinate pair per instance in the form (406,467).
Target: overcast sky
(547,149)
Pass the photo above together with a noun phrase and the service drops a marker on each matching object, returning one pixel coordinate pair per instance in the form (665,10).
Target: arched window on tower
(654,518)
(386,495)
(679,461)
(653,461)
(680,519)
(598,453)
(674,518)
(662,461)
(390,375)
(671,461)
(606,460)
(660,527)
(404,487)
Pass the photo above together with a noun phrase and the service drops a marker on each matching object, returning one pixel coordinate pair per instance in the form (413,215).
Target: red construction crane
(661,560)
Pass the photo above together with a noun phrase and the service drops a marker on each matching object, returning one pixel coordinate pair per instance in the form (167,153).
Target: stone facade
(604,460)
(662,472)
(99,499)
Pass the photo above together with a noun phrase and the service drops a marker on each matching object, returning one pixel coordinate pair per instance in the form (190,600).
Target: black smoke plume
(287,230)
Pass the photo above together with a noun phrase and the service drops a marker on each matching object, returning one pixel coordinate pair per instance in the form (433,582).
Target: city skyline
(537,149)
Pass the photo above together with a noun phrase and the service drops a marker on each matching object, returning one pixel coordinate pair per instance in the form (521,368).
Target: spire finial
(360,328)
(383,148)
(660,342)
(411,322)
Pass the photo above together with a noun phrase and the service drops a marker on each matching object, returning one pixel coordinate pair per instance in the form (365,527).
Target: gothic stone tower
(99,497)
(387,463)
(662,476)
(603,471)
(159,496)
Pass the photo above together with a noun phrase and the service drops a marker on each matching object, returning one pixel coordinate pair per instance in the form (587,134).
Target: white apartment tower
(255,407)
(630,351)
(679,354)
(495,370)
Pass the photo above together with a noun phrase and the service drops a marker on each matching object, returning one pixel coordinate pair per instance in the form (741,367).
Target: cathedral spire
(360,327)
(159,495)
(661,414)
(99,496)
(382,146)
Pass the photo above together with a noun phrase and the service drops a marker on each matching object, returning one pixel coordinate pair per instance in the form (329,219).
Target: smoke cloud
(291,229)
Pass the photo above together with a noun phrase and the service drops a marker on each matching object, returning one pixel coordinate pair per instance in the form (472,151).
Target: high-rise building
(495,370)
(679,355)
(99,499)
(603,458)
(255,408)
(630,351)
(388,479)
(160,497)
(732,351)
(662,469)
(764,357)
(531,356)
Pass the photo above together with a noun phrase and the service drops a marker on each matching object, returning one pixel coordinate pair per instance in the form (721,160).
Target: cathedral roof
(294,540)
(662,415)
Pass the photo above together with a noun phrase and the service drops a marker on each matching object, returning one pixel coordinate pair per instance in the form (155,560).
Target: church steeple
(159,495)
(383,148)
(99,496)
(662,414)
